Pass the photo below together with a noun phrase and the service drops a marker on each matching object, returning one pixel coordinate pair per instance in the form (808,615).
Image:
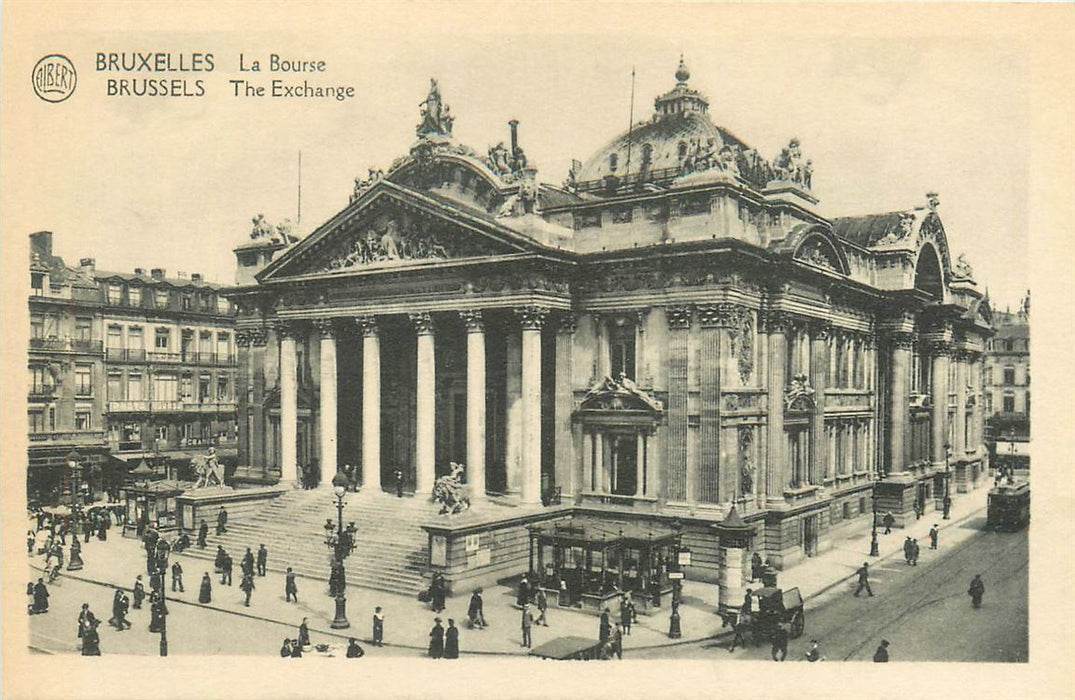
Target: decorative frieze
(799,395)
(746,456)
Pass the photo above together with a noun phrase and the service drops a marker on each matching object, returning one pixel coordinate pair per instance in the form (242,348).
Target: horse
(210,471)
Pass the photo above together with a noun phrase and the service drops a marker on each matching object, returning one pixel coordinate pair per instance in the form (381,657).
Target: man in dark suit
(864,580)
(263,559)
(290,589)
(881,655)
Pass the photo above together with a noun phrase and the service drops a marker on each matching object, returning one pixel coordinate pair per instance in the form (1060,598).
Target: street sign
(675,575)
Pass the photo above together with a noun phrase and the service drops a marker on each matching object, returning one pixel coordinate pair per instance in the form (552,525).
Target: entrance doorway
(625,465)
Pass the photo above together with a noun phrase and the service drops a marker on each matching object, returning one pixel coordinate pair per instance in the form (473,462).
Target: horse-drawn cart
(772,607)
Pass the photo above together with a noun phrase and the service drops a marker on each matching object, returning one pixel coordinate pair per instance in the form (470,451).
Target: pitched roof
(867,230)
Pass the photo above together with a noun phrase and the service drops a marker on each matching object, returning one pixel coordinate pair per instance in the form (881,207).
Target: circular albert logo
(54,78)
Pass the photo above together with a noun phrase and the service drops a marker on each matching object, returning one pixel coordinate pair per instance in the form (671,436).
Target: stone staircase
(391,550)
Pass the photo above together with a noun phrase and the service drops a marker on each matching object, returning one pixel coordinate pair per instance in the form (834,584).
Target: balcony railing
(156,406)
(42,393)
(69,437)
(125,354)
(67,345)
(158,356)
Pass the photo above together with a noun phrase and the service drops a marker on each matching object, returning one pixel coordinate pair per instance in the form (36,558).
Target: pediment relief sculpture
(818,254)
(621,394)
(799,396)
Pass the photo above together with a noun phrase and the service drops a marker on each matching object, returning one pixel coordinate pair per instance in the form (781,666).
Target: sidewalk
(407,622)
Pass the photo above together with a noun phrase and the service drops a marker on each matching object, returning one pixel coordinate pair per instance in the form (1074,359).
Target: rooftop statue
(436,115)
(962,267)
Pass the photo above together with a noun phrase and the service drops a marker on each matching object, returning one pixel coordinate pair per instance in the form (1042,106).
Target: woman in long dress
(205,595)
(451,641)
(436,640)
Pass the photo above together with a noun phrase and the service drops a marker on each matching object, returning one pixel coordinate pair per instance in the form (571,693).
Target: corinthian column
(776,475)
(328,397)
(289,410)
(939,401)
(371,404)
(532,319)
(475,403)
(900,345)
(426,390)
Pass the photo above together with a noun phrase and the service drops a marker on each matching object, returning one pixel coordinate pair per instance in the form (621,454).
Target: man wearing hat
(881,655)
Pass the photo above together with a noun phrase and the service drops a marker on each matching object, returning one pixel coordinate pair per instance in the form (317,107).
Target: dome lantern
(683,74)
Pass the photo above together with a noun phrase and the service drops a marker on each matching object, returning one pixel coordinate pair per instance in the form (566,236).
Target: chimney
(195,277)
(157,273)
(87,264)
(41,243)
(139,271)
(514,125)
(180,274)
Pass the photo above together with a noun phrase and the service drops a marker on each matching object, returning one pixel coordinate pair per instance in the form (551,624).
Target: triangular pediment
(391,226)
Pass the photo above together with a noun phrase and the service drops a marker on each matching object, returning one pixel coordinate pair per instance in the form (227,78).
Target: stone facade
(672,331)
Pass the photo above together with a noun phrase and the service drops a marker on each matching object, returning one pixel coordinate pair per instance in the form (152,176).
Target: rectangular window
(1009,403)
(37,327)
(52,418)
(115,337)
(1027,403)
(222,346)
(115,294)
(135,338)
(115,386)
(41,381)
(83,380)
(165,387)
(162,338)
(222,389)
(84,328)
(186,388)
(160,432)
(82,420)
(204,384)
(52,326)
(37,421)
(161,297)
(135,392)
(1009,376)
(134,295)
(223,305)
(187,303)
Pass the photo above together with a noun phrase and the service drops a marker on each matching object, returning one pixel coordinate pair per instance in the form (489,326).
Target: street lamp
(875,548)
(947,481)
(74,466)
(339,488)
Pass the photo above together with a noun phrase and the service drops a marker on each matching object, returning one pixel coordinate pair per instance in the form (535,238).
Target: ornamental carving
(361,185)
(368,326)
(743,345)
(679,317)
(436,116)
(532,317)
(263,230)
(243,338)
(746,466)
(258,337)
(789,166)
(473,320)
(621,394)
(391,238)
(326,327)
(962,268)
(569,323)
(288,330)
(519,281)
(422,322)
(799,396)
(902,231)
(902,340)
(818,252)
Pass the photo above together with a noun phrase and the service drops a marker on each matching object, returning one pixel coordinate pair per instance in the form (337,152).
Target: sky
(887,110)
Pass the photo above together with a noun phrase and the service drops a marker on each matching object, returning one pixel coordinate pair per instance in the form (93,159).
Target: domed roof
(679,132)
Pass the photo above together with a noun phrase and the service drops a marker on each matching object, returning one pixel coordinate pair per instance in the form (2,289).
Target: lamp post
(74,466)
(875,549)
(339,488)
(947,481)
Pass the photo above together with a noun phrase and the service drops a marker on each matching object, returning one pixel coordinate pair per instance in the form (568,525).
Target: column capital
(679,317)
(722,315)
(776,321)
(243,337)
(473,320)
(531,317)
(326,327)
(569,323)
(820,329)
(939,348)
(422,322)
(368,326)
(288,329)
(902,339)
(258,337)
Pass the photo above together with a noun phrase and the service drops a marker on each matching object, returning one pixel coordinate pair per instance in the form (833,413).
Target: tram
(1009,506)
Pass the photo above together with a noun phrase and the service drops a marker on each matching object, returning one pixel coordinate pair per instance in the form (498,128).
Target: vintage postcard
(409,350)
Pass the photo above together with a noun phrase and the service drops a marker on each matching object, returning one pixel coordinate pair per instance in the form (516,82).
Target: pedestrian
(225,571)
(41,597)
(888,521)
(247,587)
(864,580)
(139,592)
(329,530)
(451,640)
(881,655)
(354,651)
(84,620)
(203,532)
(780,642)
(907,549)
(177,577)
(183,542)
(756,566)
(221,521)
(919,509)
(218,560)
(205,595)
(87,529)
(263,559)
(437,592)
(947,507)
(121,607)
(739,627)
(304,635)
(475,611)
(436,640)
(291,590)
(617,641)
(976,591)
(91,640)
(605,628)
(285,649)
(934,535)
(399,483)
(523,595)
(76,555)
(296,649)
(814,652)
(527,623)
(914,552)
(542,603)
(627,613)
(378,626)
(156,612)
(248,563)
(31,540)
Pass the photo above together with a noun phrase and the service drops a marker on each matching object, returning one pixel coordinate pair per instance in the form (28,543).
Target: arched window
(927,275)
(682,149)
